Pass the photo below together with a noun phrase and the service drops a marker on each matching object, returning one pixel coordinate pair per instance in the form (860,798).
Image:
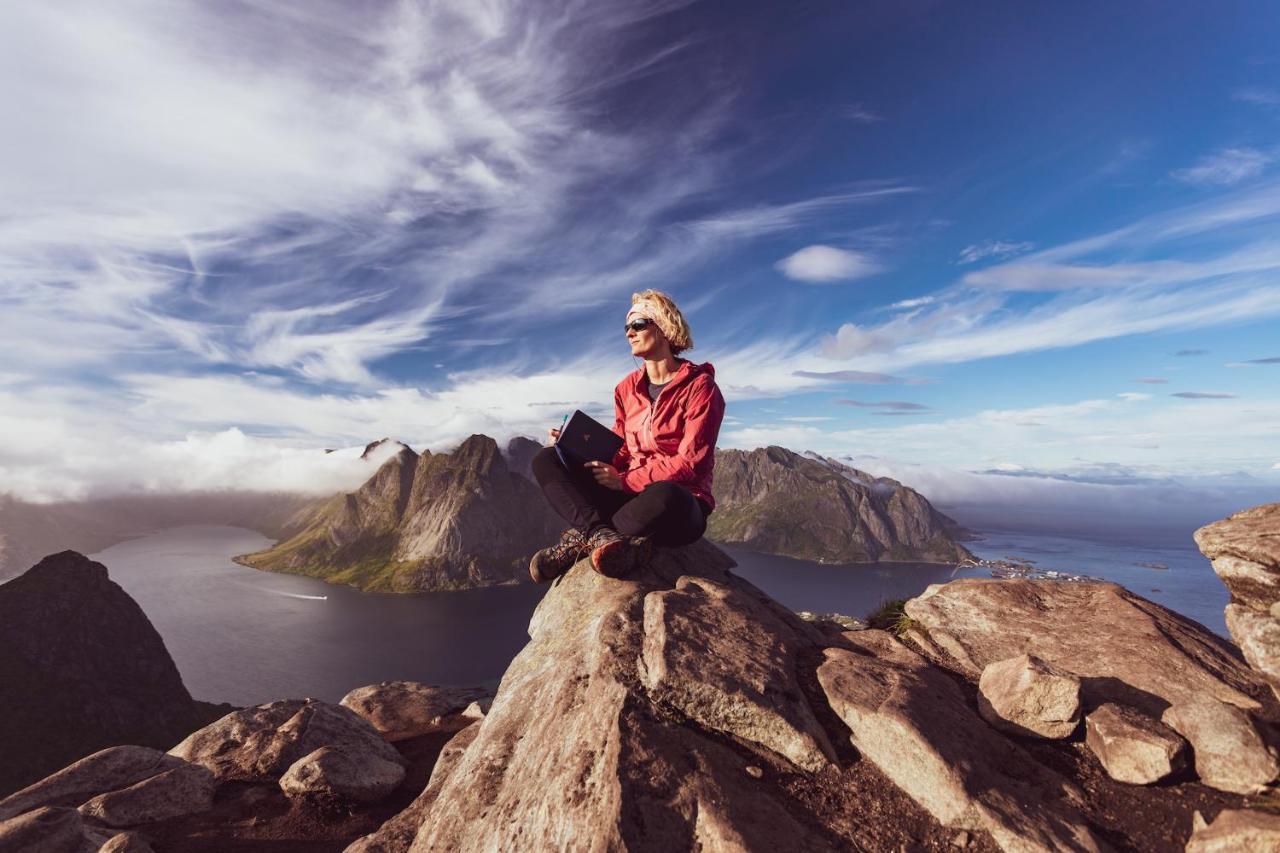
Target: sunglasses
(638,325)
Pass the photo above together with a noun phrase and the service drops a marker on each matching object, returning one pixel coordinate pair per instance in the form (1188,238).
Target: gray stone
(404,709)
(334,773)
(1026,696)
(1133,747)
(181,791)
(105,770)
(911,720)
(1230,753)
(1236,831)
(262,742)
(126,842)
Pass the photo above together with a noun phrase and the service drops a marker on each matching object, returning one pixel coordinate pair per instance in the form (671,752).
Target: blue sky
(1004,251)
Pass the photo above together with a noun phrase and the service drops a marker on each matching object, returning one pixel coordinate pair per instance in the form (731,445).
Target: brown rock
(126,842)
(1236,831)
(396,835)
(1230,753)
(106,770)
(403,709)
(575,755)
(718,656)
(264,741)
(47,830)
(1132,747)
(1123,648)
(912,721)
(1245,551)
(339,775)
(1026,696)
(181,791)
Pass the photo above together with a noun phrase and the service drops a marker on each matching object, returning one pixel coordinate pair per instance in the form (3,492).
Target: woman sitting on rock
(658,489)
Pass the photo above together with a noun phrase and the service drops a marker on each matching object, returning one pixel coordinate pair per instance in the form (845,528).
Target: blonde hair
(661,309)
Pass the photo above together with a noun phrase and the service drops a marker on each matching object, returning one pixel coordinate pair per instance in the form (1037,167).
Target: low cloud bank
(1131,509)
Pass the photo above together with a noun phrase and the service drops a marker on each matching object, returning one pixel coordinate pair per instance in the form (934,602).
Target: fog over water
(244,636)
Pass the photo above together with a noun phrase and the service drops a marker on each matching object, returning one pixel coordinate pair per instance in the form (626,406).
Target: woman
(658,489)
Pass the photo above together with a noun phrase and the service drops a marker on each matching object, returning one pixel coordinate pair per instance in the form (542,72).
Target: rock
(755,772)
(181,791)
(911,720)
(338,774)
(264,741)
(83,669)
(106,770)
(1237,831)
(126,842)
(477,709)
(1132,747)
(1245,551)
(812,507)
(45,830)
(961,839)
(1230,753)
(575,754)
(1123,648)
(716,655)
(403,709)
(396,835)
(1026,696)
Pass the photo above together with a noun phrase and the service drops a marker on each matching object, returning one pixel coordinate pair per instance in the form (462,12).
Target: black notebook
(584,439)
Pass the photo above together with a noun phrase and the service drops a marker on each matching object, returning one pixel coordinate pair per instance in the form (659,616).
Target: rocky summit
(811,507)
(81,668)
(422,522)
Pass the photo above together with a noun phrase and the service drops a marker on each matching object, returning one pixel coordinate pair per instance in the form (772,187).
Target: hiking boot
(550,563)
(614,555)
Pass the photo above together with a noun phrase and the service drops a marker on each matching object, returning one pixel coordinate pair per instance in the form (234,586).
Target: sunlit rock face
(810,507)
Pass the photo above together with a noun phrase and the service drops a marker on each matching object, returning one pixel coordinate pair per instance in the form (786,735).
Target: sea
(244,636)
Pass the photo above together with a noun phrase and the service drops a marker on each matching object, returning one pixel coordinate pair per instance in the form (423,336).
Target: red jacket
(674,438)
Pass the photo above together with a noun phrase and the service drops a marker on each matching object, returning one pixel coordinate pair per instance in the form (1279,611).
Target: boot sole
(617,559)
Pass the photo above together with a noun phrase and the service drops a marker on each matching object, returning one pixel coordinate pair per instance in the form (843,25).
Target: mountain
(81,668)
(812,507)
(422,522)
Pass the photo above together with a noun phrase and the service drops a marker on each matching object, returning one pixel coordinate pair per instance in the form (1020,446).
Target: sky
(1005,252)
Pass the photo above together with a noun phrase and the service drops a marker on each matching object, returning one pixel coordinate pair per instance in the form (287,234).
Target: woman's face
(648,342)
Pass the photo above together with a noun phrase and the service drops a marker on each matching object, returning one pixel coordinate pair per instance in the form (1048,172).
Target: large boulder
(1245,551)
(338,775)
(107,770)
(576,754)
(184,790)
(913,722)
(1026,696)
(400,710)
(1132,747)
(262,742)
(1124,649)
(81,669)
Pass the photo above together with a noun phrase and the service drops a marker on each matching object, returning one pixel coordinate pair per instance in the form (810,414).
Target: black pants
(666,511)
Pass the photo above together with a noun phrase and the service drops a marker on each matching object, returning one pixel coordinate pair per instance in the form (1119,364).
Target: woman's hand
(552,435)
(605,474)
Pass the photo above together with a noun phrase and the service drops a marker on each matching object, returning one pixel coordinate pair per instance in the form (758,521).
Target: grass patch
(890,616)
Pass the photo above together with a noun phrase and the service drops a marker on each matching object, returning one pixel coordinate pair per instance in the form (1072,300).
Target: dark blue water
(243,636)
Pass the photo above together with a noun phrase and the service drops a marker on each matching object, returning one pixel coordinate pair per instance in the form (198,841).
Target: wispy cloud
(895,405)
(1151,380)
(859,376)
(860,114)
(992,249)
(1191,352)
(1204,395)
(823,264)
(1260,97)
(1226,167)
(917,302)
